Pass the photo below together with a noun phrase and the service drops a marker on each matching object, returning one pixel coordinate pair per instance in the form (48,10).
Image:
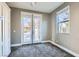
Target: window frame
(64,21)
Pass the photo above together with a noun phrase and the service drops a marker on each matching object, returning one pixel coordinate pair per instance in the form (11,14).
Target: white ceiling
(45,7)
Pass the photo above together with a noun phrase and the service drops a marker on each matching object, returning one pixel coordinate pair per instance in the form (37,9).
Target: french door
(26,19)
(30,28)
(36,28)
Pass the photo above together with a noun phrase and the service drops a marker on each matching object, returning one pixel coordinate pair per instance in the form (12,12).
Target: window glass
(63,21)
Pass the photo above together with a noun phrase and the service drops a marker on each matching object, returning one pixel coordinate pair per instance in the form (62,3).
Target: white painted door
(4,29)
(6,32)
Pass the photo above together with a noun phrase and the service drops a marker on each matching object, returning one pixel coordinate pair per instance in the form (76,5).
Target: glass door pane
(36,28)
(27,29)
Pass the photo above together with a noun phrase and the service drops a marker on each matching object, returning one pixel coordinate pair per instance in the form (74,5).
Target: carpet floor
(38,50)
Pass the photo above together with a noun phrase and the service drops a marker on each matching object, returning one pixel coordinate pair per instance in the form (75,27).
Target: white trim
(43,42)
(60,11)
(65,49)
(67,7)
(36,42)
(25,13)
(14,45)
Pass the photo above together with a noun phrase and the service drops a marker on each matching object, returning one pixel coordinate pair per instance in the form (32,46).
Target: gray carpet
(38,50)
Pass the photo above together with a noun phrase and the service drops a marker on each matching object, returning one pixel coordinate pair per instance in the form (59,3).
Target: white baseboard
(44,41)
(65,49)
(13,45)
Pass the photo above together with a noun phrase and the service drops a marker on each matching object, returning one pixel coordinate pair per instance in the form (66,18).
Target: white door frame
(22,36)
(28,13)
(36,14)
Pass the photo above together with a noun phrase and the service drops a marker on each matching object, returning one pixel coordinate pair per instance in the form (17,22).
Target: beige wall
(71,40)
(16,25)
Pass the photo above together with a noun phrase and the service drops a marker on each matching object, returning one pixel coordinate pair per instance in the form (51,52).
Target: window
(63,20)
